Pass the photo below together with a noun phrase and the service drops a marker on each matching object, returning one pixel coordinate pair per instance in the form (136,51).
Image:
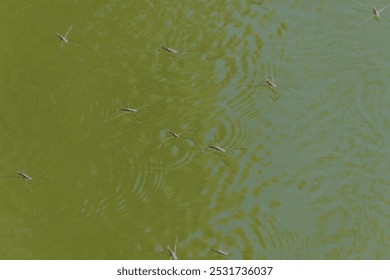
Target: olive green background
(310,180)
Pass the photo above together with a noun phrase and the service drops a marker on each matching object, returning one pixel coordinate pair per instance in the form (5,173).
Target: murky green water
(304,174)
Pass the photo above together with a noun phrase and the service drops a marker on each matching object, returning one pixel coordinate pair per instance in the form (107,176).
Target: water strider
(376,13)
(272,86)
(268,83)
(223,253)
(178,53)
(220,151)
(271,83)
(126,110)
(170,50)
(220,252)
(223,150)
(174,136)
(129,110)
(172,253)
(217,148)
(64,38)
(20,175)
(24,176)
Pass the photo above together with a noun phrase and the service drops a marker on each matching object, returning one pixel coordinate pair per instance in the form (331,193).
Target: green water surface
(302,173)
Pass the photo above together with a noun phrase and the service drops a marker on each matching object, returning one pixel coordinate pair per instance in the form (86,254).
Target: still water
(297,166)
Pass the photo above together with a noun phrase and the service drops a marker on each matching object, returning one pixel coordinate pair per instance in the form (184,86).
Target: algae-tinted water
(303,173)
